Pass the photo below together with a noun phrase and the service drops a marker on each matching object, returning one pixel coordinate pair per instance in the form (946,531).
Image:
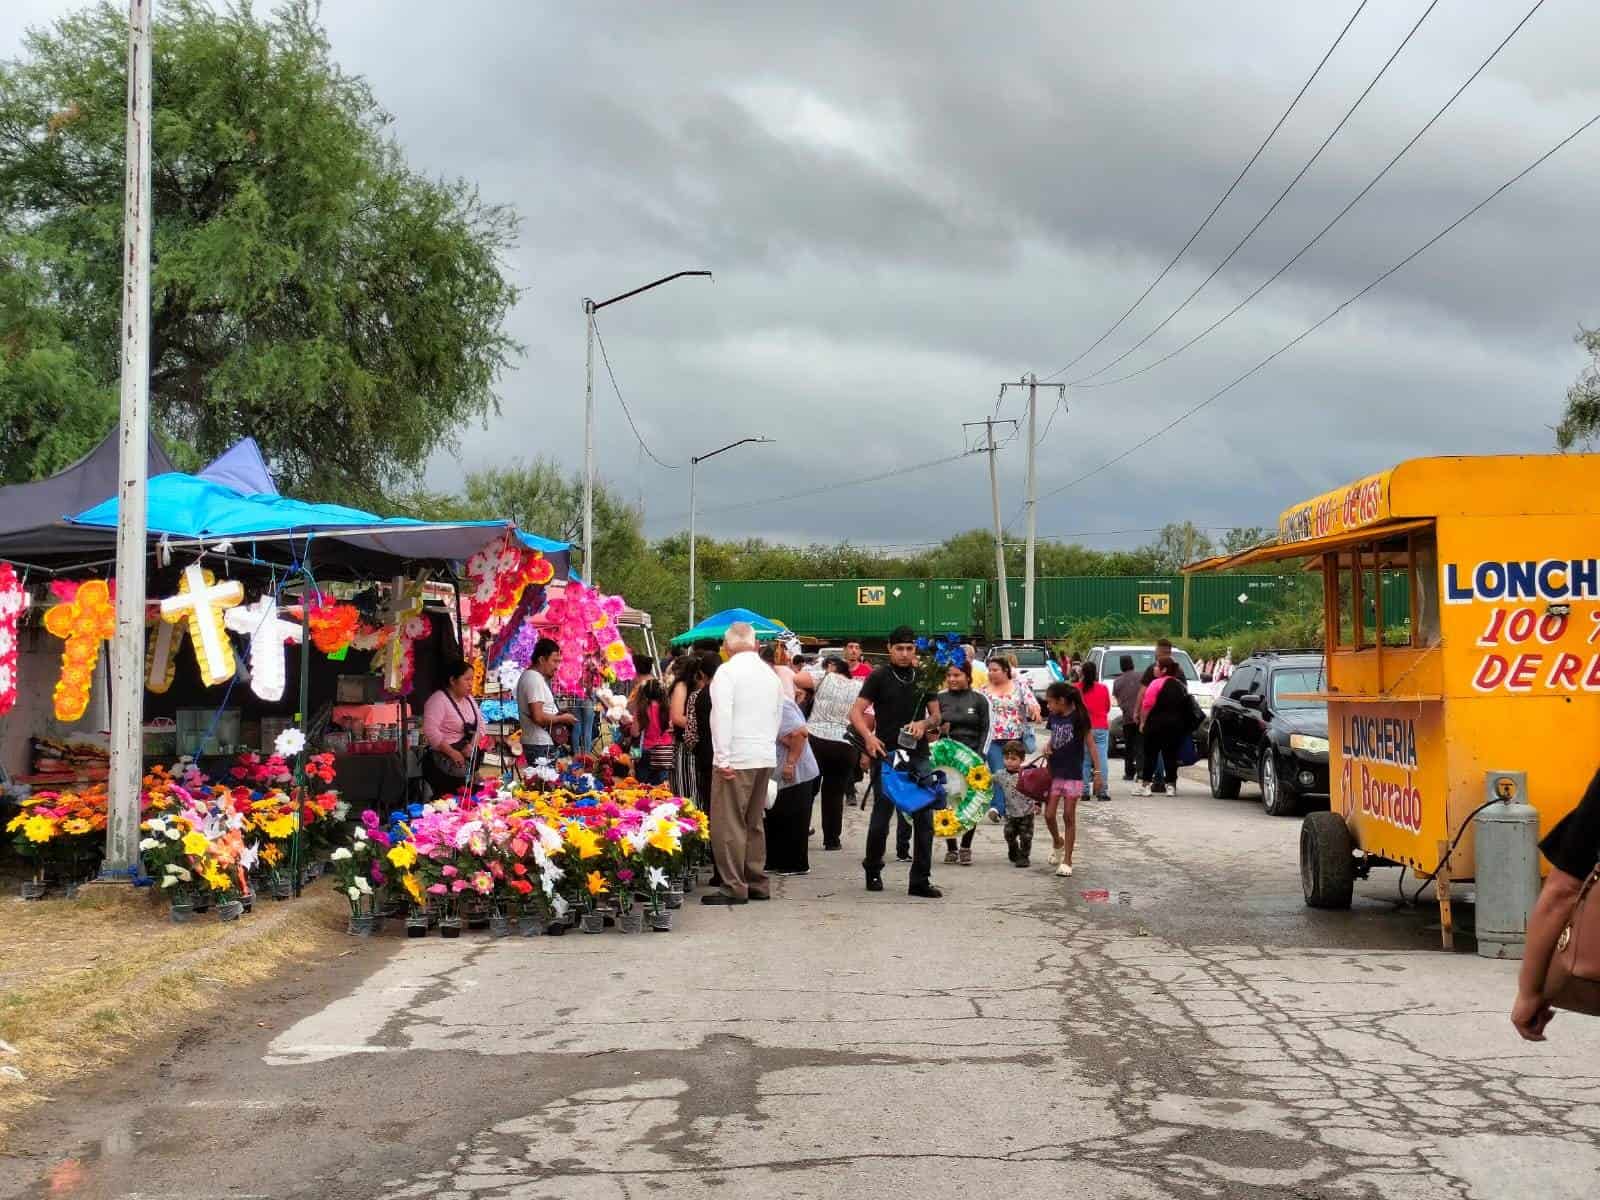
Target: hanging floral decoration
(333,624)
(162,643)
(497,577)
(584,624)
(13,599)
(85,618)
(203,603)
(268,633)
(394,641)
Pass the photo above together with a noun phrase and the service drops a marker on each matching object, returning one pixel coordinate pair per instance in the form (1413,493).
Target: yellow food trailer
(1493,666)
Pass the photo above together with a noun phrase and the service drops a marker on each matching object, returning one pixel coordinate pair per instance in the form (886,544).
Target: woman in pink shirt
(1097,699)
(450,725)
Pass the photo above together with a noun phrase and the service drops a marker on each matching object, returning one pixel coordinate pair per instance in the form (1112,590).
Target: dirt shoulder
(89,982)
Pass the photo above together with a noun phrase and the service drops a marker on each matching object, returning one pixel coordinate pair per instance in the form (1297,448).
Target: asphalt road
(1170,1022)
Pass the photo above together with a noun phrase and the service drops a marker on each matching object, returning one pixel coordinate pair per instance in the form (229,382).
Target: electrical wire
(1282,196)
(833,487)
(1454,842)
(654,457)
(1339,216)
(1215,208)
(1307,332)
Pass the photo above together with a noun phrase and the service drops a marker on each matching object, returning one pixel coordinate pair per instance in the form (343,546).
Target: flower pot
(202,904)
(280,885)
(687,883)
(499,925)
(182,912)
(33,889)
(477,914)
(248,900)
(230,910)
(450,927)
(532,925)
(360,925)
(674,897)
(661,922)
(632,921)
(592,922)
(416,924)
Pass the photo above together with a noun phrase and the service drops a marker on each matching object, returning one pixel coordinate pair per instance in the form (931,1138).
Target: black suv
(1262,732)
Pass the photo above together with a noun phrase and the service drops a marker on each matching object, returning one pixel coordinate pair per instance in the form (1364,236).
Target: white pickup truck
(1108,661)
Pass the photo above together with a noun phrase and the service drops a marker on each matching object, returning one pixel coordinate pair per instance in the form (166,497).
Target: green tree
(1177,544)
(1243,537)
(1580,423)
(308,287)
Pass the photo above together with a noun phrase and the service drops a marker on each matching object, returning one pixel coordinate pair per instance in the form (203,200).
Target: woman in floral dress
(1012,712)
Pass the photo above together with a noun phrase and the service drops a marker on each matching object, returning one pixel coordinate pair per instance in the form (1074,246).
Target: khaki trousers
(738,831)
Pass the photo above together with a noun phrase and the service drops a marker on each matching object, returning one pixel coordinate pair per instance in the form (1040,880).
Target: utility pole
(988,424)
(590,307)
(1031,382)
(121,863)
(1188,557)
(694,462)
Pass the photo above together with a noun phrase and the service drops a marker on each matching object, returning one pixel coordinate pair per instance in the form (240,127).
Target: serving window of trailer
(1383,592)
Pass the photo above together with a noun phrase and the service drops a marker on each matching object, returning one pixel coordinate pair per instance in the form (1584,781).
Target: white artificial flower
(341,854)
(359,833)
(173,835)
(363,886)
(148,844)
(546,774)
(560,906)
(182,873)
(250,856)
(657,878)
(290,742)
(341,810)
(353,893)
(169,881)
(7,678)
(510,673)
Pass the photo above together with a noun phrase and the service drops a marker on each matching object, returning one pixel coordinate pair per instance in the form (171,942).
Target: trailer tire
(1327,861)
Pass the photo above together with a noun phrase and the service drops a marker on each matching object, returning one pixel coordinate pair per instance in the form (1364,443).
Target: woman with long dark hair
(1097,701)
(1164,722)
(450,725)
(963,718)
(653,712)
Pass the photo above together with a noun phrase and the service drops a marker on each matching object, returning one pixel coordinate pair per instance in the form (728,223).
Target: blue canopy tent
(715,626)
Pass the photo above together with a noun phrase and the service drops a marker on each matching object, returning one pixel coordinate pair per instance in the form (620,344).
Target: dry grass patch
(85,982)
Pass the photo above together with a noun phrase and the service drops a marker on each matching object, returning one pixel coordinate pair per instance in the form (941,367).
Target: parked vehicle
(1264,729)
(1035,665)
(1108,661)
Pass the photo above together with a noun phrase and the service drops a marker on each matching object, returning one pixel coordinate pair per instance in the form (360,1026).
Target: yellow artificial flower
(39,829)
(216,880)
(75,825)
(584,840)
(412,885)
(278,827)
(403,855)
(195,843)
(945,823)
(665,839)
(597,883)
(616,651)
(16,822)
(271,855)
(979,779)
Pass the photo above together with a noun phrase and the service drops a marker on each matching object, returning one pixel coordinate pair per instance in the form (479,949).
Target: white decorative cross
(405,602)
(268,633)
(162,654)
(203,601)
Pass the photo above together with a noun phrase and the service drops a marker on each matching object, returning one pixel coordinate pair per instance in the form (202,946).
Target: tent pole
(298,852)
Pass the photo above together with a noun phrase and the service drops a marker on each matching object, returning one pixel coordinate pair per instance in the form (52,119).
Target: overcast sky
(905,204)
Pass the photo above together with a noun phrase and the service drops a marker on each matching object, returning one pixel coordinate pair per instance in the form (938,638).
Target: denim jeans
(1102,739)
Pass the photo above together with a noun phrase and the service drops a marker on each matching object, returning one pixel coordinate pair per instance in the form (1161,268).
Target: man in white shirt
(536,703)
(746,700)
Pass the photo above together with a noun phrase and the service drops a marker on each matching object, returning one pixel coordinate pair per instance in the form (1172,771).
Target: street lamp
(693,463)
(590,307)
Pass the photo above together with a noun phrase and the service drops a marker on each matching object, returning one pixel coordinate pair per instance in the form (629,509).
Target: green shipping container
(834,609)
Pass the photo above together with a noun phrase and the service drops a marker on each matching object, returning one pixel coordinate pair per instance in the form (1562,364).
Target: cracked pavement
(1170,1022)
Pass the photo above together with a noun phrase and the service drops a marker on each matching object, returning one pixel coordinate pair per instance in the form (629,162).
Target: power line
(1217,207)
(605,358)
(1282,196)
(1224,390)
(833,487)
(1339,216)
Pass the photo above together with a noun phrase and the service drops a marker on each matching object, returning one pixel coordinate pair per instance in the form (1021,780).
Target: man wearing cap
(899,703)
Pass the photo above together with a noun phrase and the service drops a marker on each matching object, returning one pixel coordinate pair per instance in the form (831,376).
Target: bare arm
(1530,1014)
(862,724)
(680,705)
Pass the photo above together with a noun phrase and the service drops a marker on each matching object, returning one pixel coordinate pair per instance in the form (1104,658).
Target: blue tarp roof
(242,468)
(713,627)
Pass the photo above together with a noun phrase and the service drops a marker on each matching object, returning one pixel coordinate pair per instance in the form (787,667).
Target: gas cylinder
(1507,854)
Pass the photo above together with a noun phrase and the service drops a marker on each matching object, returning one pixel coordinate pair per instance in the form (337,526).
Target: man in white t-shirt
(536,703)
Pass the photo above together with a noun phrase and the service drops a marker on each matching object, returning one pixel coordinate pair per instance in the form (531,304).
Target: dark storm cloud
(905,203)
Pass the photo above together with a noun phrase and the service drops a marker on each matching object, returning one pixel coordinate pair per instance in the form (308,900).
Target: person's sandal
(966,856)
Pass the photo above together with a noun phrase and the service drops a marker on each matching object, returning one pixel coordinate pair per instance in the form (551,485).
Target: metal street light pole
(121,863)
(590,307)
(693,463)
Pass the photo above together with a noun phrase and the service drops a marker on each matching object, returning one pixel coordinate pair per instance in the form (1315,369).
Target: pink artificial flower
(377,875)
(381,838)
(370,819)
(482,883)
(624,875)
(449,872)
(438,889)
(459,886)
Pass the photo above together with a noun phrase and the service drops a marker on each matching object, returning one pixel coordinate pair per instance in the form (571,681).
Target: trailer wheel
(1327,861)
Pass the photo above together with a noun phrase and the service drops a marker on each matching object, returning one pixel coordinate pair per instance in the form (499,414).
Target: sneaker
(902,857)
(950,857)
(926,892)
(1021,862)
(1106,797)
(994,816)
(1142,790)
(1064,870)
(874,883)
(966,857)
(1056,854)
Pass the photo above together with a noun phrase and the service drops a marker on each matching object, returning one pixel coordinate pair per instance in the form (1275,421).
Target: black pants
(788,821)
(838,763)
(1161,742)
(1131,741)
(966,840)
(1019,838)
(883,813)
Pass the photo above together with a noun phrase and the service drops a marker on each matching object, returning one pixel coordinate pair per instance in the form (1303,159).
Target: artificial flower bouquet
(61,833)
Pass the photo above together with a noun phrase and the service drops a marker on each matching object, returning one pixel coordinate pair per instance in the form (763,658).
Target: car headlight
(1308,743)
(1206,701)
